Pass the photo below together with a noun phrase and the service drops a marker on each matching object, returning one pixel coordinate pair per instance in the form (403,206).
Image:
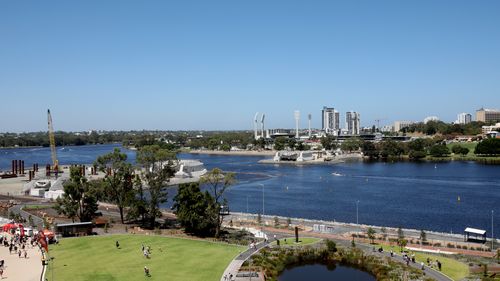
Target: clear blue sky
(213,64)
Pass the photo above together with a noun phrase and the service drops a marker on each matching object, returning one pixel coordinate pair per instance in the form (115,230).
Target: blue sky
(213,64)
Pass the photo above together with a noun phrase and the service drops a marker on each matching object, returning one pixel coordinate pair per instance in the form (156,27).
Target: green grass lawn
(454,269)
(302,241)
(470,145)
(97,258)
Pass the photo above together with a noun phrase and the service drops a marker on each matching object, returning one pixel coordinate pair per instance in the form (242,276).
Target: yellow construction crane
(52,140)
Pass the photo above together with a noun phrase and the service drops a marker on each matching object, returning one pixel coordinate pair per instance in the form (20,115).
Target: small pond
(320,272)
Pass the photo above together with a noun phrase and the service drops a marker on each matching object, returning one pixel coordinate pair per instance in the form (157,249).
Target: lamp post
(492,236)
(263,206)
(357,213)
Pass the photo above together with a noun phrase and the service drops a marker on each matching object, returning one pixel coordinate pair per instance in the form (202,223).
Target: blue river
(447,196)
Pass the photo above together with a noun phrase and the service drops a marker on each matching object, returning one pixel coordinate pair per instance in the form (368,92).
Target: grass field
(454,269)
(470,145)
(97,259)
(302,241)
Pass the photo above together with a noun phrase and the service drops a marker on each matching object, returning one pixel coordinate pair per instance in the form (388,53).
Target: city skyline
(178,66)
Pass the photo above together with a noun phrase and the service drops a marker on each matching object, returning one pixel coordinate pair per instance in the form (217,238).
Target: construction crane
(52,140)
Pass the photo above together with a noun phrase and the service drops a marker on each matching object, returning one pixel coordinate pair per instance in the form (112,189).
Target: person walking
(19,253)
(146,271)
(117,245)
(25,254)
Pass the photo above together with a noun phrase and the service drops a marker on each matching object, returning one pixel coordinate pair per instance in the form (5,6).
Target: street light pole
(263,206)
(492,236)
(357,213)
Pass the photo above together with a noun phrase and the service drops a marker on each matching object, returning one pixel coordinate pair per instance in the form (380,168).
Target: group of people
(408,258)
(229,277)
(146,251)
(17,245)
(434,264)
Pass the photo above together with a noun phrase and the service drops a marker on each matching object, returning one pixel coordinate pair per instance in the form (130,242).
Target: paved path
(429,272)
(21,269)
(234,267)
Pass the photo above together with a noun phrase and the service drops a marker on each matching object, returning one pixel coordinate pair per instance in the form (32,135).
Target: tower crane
(52,140)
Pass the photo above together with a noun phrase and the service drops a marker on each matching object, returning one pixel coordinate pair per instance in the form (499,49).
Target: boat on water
(336,174)
(190,169)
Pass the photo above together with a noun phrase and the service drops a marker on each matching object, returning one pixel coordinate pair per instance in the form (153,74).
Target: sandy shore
(235,153)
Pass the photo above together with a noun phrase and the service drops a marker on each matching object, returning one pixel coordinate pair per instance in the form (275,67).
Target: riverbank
(431,159)
(351,157)
(233,153)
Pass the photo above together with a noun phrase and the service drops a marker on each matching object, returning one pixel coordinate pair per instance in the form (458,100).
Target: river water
(447,196)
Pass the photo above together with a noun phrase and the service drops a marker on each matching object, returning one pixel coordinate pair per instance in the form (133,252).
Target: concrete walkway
(429,272)
(21,269)
(234,267)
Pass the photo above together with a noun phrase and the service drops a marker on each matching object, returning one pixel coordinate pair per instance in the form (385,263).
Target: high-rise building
(398,125)
(330,122)
(464,118)
(352,122)
(488,115)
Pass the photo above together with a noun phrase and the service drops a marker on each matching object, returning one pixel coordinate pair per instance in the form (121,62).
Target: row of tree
(439,127)
(138,192)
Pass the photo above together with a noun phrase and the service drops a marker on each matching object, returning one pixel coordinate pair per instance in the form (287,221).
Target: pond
(320,272)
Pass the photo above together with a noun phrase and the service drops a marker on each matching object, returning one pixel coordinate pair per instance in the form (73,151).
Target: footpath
(21,269)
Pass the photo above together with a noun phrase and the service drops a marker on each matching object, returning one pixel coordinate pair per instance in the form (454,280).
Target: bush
(488,147)
(439,150)
(331,246)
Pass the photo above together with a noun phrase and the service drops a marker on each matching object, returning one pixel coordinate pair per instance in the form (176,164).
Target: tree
(439,150)
(351,144)
(390,148)
(195,210)
(331,246)
(280,143)
(384,232)
(138,206)
(371,234)
(329,142)
(157,168)
(79,199)
(276,222)
(118,186)
(456,149)
(417,149)
(370,150)
(292,143)
(401,234)
(488,147)
(401,238)
(218,182)
(402,243)
(423,236)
